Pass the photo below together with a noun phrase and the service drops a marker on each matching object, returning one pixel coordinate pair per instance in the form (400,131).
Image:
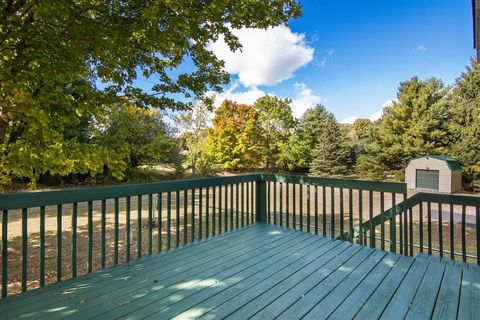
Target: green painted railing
(438,224)
(47,237)
(50,236)
(336,208)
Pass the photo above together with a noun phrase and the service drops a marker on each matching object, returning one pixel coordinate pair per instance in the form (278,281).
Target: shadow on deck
(263,272)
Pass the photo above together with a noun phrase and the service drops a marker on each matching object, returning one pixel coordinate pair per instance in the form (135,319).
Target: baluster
(452,234)
(382,220)
(253,213)
(169,220)
(231,207)
(370,217)
(393,225)
(287,204)
(160,220)
(127,228)
(193,216)
(294,213)
(308,208)
(150,224)
(73,245)
(185,217)
(200,215)
(214,219)
(420,225)
(360,216)
(324,211)
(177,219)
(5,253)
(219,209)
(350,214)
(342,222)
(281,204)
(301,206)
(59,242)
(103,230)
(440,229)
(411,230)
(116,225)
(464,245)
(237,208)
(207,213)
(42,246)
(274,203)
(24,248)
(316,210)
(90,236)
(332,214)
(225,227)
(429,227)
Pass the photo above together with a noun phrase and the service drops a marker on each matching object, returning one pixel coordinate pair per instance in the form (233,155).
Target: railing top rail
(455,199)
(46,198)
(391,187)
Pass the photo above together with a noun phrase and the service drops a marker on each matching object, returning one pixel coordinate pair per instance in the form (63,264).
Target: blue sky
(349,55)
(353,54)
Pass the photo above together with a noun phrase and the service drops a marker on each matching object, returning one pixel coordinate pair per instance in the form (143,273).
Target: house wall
(445,174)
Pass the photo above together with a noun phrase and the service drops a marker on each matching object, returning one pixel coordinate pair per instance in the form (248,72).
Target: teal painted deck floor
(263,272)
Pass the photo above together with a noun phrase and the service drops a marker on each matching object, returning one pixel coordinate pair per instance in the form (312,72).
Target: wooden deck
(263,272)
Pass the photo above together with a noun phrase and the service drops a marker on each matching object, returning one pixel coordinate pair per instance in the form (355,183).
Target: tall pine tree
(331,156)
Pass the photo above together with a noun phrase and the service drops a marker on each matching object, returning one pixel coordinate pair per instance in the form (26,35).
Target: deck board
(262,272)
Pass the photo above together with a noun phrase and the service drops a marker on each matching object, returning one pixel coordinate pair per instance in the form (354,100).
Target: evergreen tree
(331,156)
(464,124)
(413,126)
(296,154)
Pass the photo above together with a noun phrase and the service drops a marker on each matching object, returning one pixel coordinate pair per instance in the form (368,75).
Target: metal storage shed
(434,173)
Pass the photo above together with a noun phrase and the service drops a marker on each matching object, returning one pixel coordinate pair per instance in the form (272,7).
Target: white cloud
(304,99)
(267,57)
(422,48)
(244,97)
(373,117)
(349,120)
(322,62)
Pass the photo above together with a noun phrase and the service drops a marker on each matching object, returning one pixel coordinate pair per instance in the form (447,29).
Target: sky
(350,55)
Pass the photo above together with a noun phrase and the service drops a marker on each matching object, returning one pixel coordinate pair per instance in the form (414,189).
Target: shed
(434,173)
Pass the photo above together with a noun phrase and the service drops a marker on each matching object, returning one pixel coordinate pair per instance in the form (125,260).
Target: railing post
(261,200)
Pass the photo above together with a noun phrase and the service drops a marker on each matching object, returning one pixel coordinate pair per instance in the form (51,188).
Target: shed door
(427,179)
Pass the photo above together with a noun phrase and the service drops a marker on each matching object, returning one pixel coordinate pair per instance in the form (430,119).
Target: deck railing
(439,224)
(51,236)
(333,207)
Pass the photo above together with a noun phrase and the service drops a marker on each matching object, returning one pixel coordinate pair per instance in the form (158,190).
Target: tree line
(71,106)
(426,118)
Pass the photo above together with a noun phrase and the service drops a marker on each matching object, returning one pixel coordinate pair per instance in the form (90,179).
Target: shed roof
(451,163)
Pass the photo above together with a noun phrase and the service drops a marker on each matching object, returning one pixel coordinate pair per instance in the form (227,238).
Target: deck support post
(261,201)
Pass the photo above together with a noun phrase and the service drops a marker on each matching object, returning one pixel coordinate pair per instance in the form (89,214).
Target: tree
(296,154)
(464,124)
(360,136)
(331,156)
(193,124)
(413,126)
(62,61)
(276,124)
(139,135)
(234,140)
